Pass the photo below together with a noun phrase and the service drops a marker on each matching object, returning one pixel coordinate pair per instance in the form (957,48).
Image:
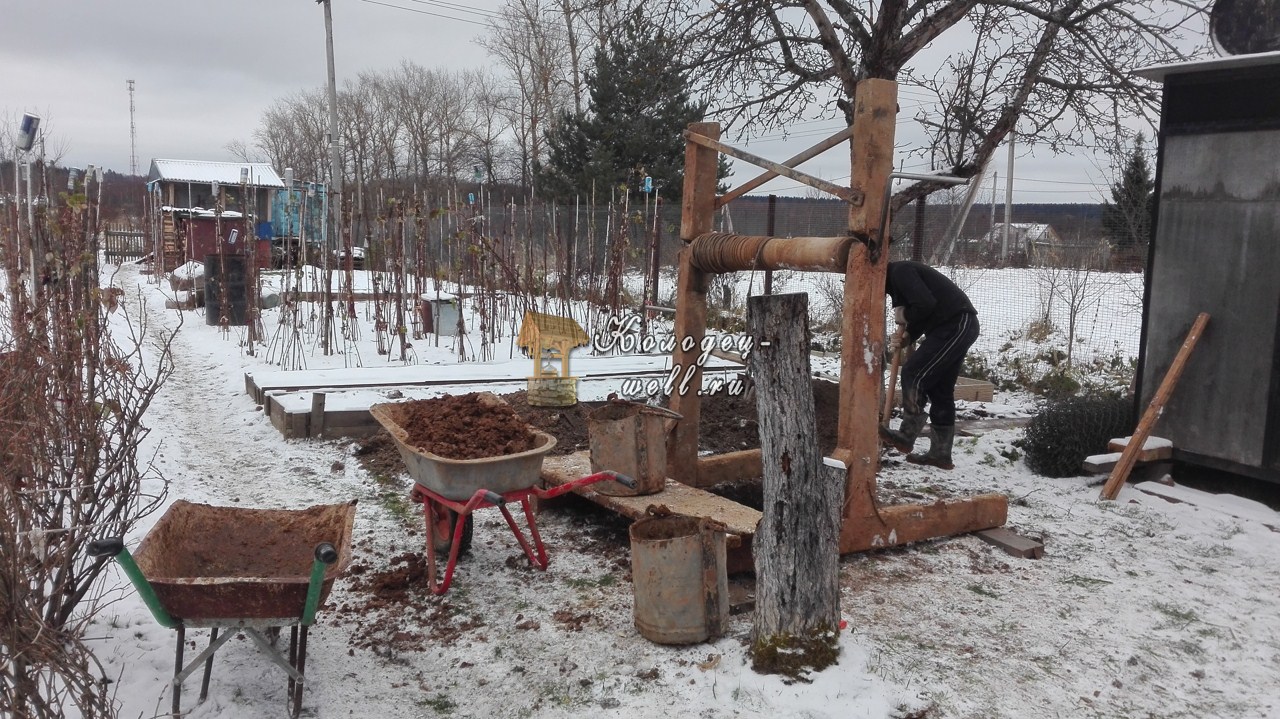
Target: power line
(456,7)
(425,12)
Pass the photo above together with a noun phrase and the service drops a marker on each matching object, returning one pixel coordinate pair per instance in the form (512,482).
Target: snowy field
(1139,608)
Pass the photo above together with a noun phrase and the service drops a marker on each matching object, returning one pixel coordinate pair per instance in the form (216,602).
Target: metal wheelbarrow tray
(239,569)
(458,479)
(208,564)
(451,489)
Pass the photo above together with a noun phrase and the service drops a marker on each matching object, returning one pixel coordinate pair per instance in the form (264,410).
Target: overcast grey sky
(204,72)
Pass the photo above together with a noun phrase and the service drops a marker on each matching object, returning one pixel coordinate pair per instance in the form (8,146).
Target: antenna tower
(133,135)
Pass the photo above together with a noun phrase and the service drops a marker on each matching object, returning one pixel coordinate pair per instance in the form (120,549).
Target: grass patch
(983,591)
(1087,582)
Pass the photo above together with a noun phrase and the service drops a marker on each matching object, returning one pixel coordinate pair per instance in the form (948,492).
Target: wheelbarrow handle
(113,547)
(325,554)
(624,480)
(106,547)
(494,498)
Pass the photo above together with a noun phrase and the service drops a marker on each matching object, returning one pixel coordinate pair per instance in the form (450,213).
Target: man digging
(927,304)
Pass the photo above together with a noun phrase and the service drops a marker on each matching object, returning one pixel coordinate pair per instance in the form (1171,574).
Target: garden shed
(1215,248)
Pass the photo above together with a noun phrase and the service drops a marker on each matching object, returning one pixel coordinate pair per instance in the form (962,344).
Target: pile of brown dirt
(464,427)
(728,423)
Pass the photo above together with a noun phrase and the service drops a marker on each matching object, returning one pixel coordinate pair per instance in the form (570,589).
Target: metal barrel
(679,579)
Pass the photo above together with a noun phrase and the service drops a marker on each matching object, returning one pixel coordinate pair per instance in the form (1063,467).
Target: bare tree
(529,43)
(1058,71)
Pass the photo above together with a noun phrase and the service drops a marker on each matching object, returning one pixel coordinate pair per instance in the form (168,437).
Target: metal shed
(1215,248)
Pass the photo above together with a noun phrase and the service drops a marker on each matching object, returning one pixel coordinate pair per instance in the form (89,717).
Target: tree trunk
(796,545)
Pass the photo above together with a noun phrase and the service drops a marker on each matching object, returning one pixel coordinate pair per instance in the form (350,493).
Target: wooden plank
(1101,463)
(1139,438)
(727,467)
(1154,449)
(1015,544)
(974,390)
(740,521)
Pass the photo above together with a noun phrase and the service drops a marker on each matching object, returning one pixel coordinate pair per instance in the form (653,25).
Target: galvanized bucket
(630,438)
(679,579)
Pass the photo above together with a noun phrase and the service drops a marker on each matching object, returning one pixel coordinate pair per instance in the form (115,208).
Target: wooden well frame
(861,257)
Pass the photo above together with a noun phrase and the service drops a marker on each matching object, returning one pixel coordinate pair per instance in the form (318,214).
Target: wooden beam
(728,467)
(862,330)
(697,213)
(767,175)
(701,164)
(1130,454)
(844,193)
(868,527)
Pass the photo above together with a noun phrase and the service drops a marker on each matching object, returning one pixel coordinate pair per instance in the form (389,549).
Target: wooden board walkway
(739,520)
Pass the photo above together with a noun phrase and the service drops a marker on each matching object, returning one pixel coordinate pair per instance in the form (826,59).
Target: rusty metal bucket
(679,579)
(630,438)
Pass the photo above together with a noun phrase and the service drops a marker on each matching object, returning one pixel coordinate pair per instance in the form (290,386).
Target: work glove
(900,314)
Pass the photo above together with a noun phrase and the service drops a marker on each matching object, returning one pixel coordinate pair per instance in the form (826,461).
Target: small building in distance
(192,199)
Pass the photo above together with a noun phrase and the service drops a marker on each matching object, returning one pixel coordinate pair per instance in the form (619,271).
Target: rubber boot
(939,454)
(904,437)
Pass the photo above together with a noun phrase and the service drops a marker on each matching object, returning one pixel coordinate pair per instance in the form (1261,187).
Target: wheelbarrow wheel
(446,520)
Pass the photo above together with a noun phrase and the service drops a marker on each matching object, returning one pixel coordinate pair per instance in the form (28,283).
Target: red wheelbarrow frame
(537,552)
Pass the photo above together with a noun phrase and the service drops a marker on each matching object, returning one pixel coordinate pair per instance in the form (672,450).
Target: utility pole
(1008,202)
(133,134)
(335,170)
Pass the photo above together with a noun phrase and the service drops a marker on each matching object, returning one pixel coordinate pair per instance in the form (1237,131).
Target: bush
(1067,431)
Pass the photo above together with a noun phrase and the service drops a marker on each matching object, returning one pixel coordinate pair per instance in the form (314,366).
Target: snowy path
(1139,608)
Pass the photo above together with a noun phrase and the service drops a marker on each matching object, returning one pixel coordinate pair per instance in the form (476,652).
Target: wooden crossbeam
(845,193)
(767,175)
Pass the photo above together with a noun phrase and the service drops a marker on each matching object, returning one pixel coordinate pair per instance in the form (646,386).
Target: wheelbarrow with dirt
(235,570)
(451,489)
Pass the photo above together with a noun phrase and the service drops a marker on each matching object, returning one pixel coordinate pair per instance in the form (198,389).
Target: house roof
(1033,231)
(538,327)
(1231,62)
(205,171)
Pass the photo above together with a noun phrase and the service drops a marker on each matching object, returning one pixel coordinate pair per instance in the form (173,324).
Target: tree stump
(796,545)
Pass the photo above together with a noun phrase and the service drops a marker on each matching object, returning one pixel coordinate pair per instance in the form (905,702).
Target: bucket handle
(645,408)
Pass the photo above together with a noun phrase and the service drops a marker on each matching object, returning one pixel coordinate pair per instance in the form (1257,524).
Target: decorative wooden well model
(549,339)
(1215,248)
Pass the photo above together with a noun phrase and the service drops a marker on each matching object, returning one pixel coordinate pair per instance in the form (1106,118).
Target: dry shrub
(75,380)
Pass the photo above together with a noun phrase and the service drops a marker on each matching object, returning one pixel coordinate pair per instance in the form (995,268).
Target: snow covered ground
(1140,607)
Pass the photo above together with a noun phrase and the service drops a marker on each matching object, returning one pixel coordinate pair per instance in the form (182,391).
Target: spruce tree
(1126,219)
(639,106)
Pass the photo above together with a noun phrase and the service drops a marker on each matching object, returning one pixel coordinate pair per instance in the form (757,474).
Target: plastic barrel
(229,272)
(679,580)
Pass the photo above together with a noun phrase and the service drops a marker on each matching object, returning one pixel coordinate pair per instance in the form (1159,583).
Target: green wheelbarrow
(235,570)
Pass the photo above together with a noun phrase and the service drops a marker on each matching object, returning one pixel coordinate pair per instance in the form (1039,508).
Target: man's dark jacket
(930,297)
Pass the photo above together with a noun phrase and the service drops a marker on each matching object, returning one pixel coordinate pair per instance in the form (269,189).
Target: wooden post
(858,445)
(317,415)
(697,213)
(1131,451)
(796,549)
